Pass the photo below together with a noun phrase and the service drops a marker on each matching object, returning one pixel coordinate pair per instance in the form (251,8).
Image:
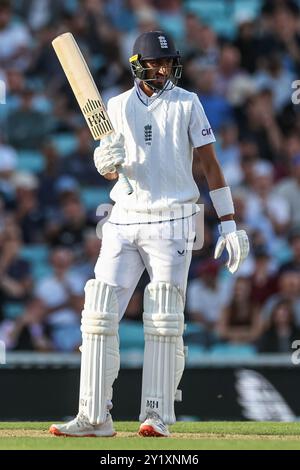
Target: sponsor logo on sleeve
(207,132)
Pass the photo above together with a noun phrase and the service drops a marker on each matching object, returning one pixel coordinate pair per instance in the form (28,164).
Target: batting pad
(164,351)
(100,361)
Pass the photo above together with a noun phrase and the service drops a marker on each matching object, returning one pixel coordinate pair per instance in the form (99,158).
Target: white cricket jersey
(159,142)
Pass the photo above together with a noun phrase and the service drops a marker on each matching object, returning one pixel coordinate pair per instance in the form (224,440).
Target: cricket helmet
(155,45)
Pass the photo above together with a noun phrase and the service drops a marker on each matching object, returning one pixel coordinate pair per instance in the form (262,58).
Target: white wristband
(227,226)
(222,201)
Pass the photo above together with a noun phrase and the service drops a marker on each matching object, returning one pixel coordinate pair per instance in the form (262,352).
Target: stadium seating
(30,161)
(93,197)
(65,143)
(37,256)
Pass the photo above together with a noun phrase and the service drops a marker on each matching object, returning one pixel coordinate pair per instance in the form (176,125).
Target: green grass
(186,436)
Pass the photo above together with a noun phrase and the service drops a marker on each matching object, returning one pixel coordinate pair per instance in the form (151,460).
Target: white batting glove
(110,154)
(236,243)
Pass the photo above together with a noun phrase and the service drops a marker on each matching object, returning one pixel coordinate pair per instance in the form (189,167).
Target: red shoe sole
(148,431)
(56,432)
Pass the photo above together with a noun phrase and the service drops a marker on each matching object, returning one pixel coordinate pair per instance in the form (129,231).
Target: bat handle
(125,184)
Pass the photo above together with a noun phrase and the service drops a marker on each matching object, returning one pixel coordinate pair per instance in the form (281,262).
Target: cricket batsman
(160,128)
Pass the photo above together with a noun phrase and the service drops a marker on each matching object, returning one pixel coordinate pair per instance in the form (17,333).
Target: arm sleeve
(200,131)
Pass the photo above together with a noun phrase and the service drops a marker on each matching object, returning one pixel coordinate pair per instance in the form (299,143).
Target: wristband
(222,201)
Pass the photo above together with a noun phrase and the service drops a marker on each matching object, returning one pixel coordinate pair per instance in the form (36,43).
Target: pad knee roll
(164,351)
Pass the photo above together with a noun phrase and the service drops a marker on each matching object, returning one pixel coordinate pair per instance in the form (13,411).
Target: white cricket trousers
(162,248)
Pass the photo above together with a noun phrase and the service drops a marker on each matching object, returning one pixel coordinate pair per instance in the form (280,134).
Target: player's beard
(160,84)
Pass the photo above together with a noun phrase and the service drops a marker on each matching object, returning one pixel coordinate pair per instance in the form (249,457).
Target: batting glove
(236,243)
(110,154)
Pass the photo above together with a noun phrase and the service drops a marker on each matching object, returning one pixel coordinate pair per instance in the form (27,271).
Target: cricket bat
(86,93)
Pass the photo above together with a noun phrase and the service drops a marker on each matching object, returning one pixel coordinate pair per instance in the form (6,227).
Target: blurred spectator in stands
(275,78)
(209,44)
(229,154)
(249,156)
(264,280)
(26,127)
(294,263)
(44,63)
(247,41)
(15,276)
(289,189)
(288,289)
(79,164)
(265,205)
(228,68)
(170,17)
(29,332)
(69,227)
(206,297)
(239,90)
(16,84)
(216,106)
(28,212)
(191,46)
(47,195)
(124,83)
(63,296)
(8,164)
(2,217)
(65,117)
(259,123)
(39,13)
(91,250)
(15,39)
(240,204)
(240,319)
(146,20)
(282,32)
(282,330)
(290,148)
(121,14)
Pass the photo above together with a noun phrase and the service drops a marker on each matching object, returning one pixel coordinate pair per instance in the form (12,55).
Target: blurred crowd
(242,58)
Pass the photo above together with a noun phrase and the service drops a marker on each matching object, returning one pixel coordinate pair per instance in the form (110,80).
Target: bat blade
(83,85)
(86,93)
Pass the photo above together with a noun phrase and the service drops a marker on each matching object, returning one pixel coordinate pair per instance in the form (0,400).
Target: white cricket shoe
(81,427)
(153,426)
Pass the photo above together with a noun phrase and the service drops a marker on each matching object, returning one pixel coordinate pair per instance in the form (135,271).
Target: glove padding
(110,154)
(237,245)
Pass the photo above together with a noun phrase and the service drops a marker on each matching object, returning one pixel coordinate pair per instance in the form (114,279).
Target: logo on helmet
(163,42)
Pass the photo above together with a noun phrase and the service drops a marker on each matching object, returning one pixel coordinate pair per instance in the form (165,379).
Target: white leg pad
(164,350)
(100,361)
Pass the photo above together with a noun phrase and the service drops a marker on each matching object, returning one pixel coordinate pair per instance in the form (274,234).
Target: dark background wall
(209,393)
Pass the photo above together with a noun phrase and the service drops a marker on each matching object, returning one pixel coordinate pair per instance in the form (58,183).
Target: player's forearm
(215,178)
(213,174)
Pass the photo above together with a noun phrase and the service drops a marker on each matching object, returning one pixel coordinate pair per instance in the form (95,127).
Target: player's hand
(236,243)
(110,155)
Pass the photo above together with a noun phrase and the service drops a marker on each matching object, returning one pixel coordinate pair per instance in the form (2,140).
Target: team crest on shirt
(163,42)
(148,134)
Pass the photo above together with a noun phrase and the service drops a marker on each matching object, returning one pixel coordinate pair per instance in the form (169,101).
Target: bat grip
(125,184)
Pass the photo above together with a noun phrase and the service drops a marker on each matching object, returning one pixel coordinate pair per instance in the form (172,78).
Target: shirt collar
(146,100)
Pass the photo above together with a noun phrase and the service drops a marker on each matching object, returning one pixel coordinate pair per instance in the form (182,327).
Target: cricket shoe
(81,427)
(153,426)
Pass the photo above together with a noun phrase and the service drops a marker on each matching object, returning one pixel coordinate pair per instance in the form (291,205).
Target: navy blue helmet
(155,45)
